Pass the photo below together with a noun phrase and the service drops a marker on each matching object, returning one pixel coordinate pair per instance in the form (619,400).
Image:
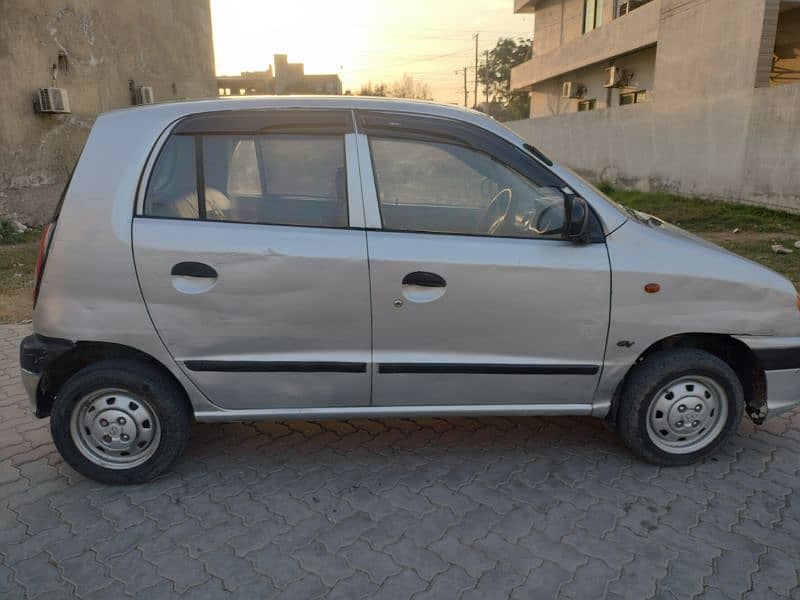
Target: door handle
(424,279)
(194,269)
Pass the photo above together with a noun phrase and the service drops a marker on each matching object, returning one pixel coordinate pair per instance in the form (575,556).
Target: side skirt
(388,412)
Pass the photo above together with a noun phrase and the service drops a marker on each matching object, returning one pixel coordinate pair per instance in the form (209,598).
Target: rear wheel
(679,406)
(120,421)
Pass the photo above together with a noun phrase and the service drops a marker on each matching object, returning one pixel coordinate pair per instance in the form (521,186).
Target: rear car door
(476,298)
(251,255)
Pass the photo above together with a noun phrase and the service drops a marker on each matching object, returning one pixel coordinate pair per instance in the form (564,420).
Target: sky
(365,40)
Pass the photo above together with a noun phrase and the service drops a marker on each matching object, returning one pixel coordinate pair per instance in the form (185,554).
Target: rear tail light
(41,258)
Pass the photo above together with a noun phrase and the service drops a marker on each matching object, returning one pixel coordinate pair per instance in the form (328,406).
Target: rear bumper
(780,359)
(36,352)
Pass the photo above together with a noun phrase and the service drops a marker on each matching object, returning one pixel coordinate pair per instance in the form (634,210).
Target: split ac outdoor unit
(143,94)
(570,89)
(612,77)
(52,100)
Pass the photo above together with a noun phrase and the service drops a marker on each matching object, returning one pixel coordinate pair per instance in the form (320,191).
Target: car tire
(120,421)
(678,406)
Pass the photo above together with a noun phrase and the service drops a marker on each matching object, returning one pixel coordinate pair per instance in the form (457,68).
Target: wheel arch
(735,353)
(83,355)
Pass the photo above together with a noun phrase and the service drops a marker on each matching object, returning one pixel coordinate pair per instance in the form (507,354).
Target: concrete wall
(632,32)
(744,147)
(546,96)
(165,44)
(708,129)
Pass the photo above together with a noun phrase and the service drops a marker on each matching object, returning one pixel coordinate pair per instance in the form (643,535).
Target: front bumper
(36,352)
(783,391)
(780,359)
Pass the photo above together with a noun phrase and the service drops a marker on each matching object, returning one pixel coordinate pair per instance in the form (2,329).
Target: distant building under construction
(283,78)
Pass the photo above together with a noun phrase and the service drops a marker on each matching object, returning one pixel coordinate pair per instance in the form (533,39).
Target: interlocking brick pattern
(456,508)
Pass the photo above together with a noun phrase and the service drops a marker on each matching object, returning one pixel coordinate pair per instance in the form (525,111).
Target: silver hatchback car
(319,258)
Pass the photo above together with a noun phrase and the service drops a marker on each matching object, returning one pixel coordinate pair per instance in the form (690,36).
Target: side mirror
(576,217)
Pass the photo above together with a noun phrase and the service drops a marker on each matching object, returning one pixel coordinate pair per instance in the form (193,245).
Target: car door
(251,256)
(476,298)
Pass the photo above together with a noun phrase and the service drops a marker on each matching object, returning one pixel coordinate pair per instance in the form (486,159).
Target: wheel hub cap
(687,414)
(115,429)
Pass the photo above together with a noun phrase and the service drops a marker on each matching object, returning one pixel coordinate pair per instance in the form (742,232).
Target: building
(287,78)
(693,96)
(101,55)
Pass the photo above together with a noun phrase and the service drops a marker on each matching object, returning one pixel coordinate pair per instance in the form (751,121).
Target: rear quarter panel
(89,290)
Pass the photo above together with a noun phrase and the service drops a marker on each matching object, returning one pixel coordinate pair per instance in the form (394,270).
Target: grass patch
(17,262)
(758,227)
(705,215)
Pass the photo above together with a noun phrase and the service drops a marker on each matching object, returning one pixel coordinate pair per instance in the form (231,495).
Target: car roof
(167,112)
(290,101)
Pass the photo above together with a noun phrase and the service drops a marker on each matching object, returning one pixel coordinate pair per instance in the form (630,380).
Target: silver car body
(325,296)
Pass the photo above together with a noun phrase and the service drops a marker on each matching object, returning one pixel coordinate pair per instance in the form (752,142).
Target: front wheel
(120,421)
(678,406)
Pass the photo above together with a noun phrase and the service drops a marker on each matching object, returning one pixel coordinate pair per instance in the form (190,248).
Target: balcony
(525,6)
(628,33)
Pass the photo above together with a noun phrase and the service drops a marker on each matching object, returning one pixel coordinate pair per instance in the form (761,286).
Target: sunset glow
(363,40)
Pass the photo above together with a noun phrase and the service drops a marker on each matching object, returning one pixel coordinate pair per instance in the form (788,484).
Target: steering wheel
(493,225)
(550,219)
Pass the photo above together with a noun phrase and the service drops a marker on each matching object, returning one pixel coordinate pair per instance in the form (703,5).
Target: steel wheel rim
(115,429)
(687,414)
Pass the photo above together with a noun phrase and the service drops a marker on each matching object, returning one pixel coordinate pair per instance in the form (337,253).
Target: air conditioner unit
(143,94)
(570,89)
(612,77)
(52,100)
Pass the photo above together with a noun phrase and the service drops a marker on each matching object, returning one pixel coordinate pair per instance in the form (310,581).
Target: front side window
(275,179)
(447,188)
(584,105)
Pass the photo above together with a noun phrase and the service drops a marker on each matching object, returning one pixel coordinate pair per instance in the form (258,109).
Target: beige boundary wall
(743,147)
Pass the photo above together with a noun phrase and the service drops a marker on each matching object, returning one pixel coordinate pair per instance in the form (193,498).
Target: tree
(379,89)
(407,87)
(507,53)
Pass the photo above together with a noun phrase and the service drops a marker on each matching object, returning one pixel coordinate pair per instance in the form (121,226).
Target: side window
(447,188)
(243,177)
(172,189)
(272,179)
(276,179)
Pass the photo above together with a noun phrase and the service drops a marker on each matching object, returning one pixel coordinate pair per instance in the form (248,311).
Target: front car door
(251,256)
(476,298)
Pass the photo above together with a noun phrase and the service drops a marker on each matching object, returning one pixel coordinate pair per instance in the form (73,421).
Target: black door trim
(254,366)
(487,369)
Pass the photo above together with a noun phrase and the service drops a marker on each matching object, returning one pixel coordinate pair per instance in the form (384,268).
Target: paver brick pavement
(415,508)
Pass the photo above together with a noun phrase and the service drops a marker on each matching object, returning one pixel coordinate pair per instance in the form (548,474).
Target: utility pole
(486,79)
(466,92)
(475,93)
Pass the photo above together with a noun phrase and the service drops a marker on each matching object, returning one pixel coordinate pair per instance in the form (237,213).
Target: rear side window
(277,179)
(172,190)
